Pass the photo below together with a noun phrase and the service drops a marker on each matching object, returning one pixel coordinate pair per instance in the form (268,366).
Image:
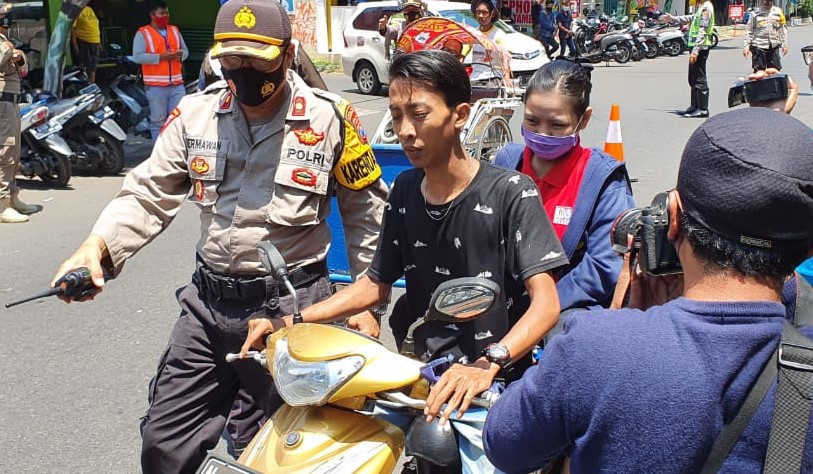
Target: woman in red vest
(160,49)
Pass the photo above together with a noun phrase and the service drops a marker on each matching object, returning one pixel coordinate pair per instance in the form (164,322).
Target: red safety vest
(165,73)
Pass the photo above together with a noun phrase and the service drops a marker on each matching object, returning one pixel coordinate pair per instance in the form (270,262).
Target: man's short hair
(158,5)
(746,184)
(437,69)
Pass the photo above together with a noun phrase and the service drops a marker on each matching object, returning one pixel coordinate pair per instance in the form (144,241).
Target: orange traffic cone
(613,146)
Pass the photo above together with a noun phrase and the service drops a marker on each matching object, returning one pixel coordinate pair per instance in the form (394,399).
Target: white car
(363,56)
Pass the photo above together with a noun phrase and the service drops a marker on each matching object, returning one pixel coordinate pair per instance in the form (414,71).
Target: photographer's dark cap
(256,28)
(748,174)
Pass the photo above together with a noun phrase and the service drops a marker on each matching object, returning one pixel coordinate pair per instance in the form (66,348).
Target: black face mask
(252,87)
(5,22)
(412,16)
(548,9)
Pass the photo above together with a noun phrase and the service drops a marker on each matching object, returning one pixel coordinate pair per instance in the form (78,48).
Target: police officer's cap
(748,174)
(411,3)
(256,28)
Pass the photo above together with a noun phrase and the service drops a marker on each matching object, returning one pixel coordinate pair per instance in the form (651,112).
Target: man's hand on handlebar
(365,323)
(457,387)
(259,329)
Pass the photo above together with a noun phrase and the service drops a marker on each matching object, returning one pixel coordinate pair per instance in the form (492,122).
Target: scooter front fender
(324,440)
(57,144)
(110,126)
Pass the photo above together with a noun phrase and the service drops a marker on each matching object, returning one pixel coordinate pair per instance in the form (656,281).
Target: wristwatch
(498,354)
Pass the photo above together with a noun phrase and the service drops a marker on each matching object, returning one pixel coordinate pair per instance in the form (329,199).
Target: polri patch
(309,136)
(306,157)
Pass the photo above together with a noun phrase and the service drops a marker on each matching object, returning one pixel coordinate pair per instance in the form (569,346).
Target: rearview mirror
(462,299)
(457,300)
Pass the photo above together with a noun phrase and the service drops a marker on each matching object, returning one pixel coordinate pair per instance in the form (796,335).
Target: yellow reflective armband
(356,167)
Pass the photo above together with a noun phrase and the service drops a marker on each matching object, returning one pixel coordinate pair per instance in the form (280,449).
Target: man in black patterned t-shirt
(453,216)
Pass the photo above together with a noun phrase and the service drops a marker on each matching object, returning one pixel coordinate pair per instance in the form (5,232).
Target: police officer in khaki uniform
(260,158)
(12,67)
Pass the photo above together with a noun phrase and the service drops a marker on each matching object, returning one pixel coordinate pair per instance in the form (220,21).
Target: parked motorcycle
(43,152)
(597,47)
(89,128)
(671,39)
(130,105)
(351,404)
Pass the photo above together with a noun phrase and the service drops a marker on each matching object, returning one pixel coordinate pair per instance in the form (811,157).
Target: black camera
(649,227)
(759,90)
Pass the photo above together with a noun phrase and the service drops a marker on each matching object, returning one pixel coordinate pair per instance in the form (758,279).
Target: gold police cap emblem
(245,18)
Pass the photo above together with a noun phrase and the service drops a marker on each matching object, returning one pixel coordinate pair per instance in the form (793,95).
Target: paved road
(74,377)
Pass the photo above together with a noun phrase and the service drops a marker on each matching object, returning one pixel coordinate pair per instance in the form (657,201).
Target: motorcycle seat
(60,106)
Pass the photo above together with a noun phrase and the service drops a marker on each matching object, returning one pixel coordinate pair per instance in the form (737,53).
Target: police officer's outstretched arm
(150,197)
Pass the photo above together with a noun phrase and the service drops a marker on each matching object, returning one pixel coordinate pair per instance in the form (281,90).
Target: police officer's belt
(9,97)
(227,287)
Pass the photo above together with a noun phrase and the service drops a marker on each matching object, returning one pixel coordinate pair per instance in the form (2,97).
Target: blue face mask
(548,147)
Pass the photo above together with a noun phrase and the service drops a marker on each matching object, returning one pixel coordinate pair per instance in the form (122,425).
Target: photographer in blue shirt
(650,391)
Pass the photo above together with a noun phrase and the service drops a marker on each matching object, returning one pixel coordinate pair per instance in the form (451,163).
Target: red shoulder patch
(298,107)
(172,116)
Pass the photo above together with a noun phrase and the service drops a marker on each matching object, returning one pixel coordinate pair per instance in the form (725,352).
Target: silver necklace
(440,215)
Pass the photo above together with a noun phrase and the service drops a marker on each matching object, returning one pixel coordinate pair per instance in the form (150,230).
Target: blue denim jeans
(470,441)
(571,46)
(163,100)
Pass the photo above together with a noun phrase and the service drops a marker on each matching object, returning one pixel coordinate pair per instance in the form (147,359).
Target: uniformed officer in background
(260,157)
(12,67)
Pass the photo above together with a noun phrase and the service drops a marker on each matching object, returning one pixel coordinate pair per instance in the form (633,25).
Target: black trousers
(697,72)
(762,59)
(194,387)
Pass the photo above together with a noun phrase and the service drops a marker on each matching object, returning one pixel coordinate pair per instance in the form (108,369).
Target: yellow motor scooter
(342,390)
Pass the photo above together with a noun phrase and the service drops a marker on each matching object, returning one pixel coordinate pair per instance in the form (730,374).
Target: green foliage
(323,65)
(805,8)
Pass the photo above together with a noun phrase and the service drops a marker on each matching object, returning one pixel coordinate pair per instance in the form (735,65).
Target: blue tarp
(392,160)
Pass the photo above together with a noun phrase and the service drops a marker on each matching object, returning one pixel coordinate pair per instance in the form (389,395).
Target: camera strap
(793,362)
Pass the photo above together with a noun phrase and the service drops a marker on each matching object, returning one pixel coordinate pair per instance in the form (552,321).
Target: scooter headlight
(310,383)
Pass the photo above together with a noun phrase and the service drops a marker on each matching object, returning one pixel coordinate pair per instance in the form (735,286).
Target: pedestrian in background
(12,67)
(86,42)
(564,21)
(536,8)
(161,50)
(767,31)
(548,28)
(413,10)
(700,33)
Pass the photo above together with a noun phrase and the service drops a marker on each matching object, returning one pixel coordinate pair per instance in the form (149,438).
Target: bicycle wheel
(496,134)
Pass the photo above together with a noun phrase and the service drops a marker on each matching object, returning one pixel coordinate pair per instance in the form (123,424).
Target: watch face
(498,354)
(497,351)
